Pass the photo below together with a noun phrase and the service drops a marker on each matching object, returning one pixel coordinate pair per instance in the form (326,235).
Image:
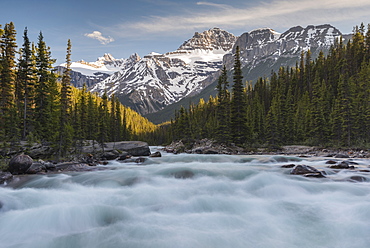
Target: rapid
(187,201)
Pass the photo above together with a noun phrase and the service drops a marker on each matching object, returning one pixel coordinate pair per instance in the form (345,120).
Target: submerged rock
(20,164)
(307,171)
(184,174)
(342,165)
(155,155)
(5,177)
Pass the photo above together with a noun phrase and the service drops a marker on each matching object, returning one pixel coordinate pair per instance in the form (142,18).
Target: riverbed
(190,200)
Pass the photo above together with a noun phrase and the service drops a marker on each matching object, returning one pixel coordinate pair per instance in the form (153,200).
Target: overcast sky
(143,26)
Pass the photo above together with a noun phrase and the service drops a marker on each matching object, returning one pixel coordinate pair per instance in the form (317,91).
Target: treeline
(325,101)
(37,104)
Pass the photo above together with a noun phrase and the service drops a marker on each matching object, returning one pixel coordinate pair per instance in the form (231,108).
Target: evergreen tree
(8,114)
(65,135)
(239,131)
(223,108)
(25,83)
(46,94)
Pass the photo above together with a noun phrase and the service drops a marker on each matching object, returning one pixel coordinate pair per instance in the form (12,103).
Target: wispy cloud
(98,36)
(275,14)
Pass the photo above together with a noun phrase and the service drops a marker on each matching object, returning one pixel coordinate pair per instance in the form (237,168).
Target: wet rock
(111,155)
(36,167)
(358,179)
(124,156)
(288,166)
(341,155)
(184,174)
(342,165)
(20,164)
(75,166)
(140,160)
(210,151)
(155,155)
(330,162)
(307,171)
(135,148)
(5,177)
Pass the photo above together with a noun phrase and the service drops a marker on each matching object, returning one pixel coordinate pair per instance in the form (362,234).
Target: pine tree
(8,113)
(25,83)
(65,135)
(223,108)
(46,94)
(238,125)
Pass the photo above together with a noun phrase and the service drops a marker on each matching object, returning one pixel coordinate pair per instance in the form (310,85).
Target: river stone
(36,168)
(20,164)
(184,174)
(134,148)
(342,165)
(156,155)
(5,177)
(307,171)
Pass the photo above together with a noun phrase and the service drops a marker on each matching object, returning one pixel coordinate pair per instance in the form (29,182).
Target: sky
(123,27)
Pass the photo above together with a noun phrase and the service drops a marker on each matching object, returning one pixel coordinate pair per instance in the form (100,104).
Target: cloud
(98,36)
(275,14)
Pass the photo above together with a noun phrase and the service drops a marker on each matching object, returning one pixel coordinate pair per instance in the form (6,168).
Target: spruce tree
(25,83)
(8,111)
(65,133)
(238,125)
(223,108)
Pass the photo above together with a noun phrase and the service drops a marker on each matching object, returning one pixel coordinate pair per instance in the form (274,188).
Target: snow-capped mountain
(154,82)
(268,48)
(90,73)
(157,80)
(262,51)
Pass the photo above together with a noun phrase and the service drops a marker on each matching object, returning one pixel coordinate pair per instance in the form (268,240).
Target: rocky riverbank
(40,158)
(206,146)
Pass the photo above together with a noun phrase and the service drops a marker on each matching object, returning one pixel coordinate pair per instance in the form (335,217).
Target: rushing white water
(189,201)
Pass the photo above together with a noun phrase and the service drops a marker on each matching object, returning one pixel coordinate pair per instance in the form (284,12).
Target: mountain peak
(212,39)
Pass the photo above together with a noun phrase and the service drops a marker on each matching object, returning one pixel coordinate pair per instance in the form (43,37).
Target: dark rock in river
(20,164)
(330,162)
(184,174)
(111,155)
(156,155)
(357,179)
(342,165)
(288,166)
(307,171)
(5,177)
(340,155)
(35,168)
(124,156)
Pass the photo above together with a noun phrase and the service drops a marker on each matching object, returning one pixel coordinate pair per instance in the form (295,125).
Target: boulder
(134,148)
(124,156)
(342,165)
(156,155)
(20,164)
(5,177)
(183,174)
(111,155)
(307,171)
(35,168)
(288,166)
(341,155)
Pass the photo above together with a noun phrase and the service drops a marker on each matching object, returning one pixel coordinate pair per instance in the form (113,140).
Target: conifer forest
(322,101)
(39,105)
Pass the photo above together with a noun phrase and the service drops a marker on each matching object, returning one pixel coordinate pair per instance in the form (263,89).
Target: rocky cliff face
(157,80)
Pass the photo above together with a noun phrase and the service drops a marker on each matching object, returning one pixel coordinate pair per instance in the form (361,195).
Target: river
(189,201)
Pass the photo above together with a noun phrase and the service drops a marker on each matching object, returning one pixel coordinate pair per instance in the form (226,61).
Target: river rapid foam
(187,200)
